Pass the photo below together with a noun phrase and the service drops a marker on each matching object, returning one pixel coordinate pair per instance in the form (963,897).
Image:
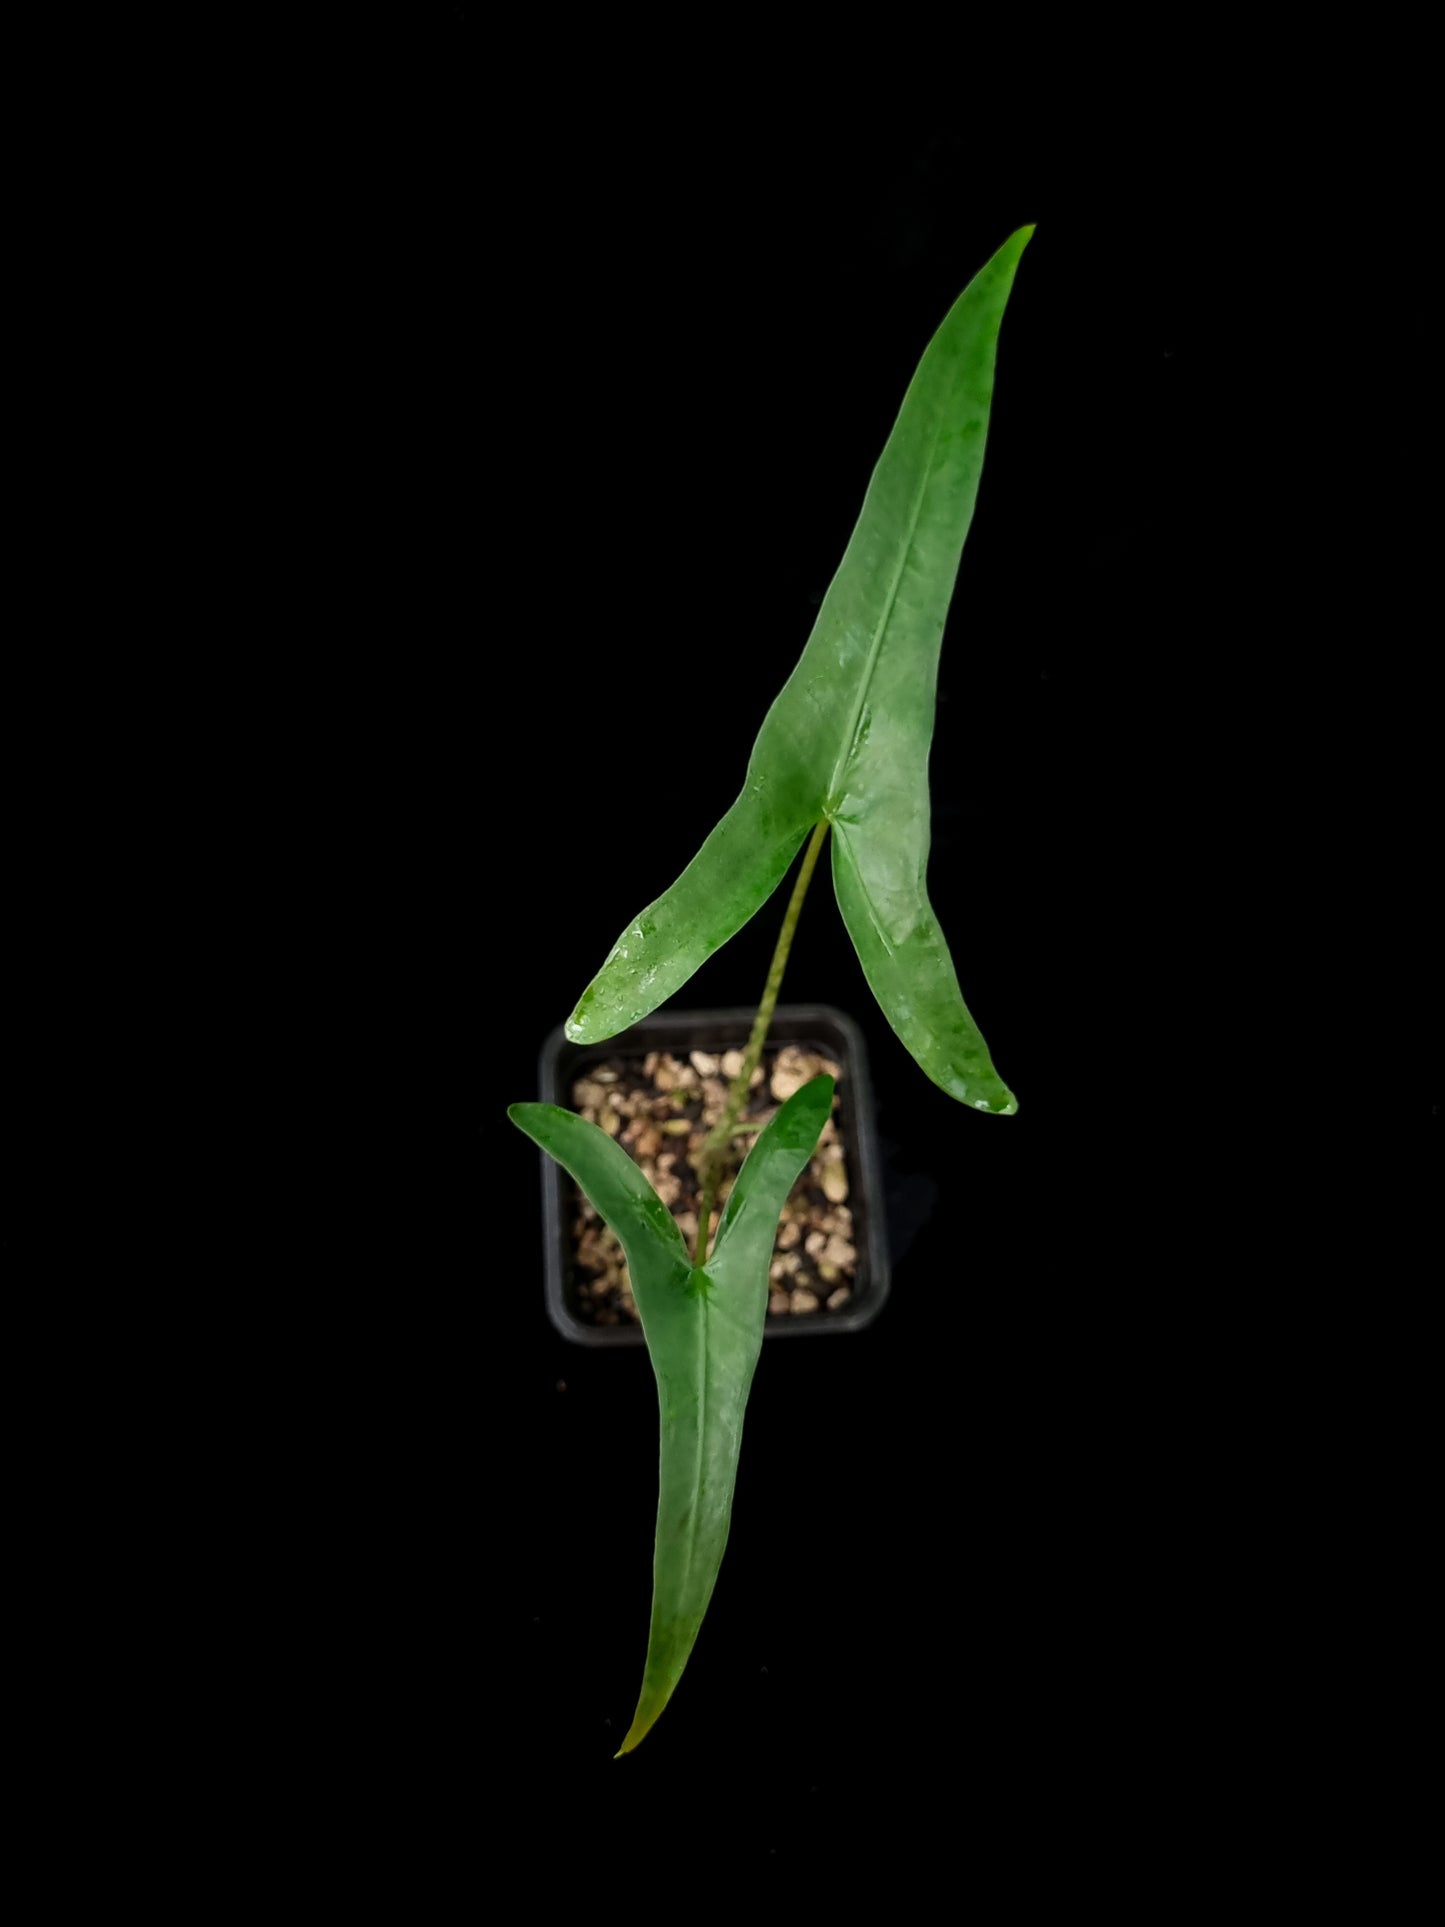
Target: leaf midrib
(701,1453)
(832,798)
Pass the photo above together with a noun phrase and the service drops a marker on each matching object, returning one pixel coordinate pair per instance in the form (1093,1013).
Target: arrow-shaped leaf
(704,1329)
(848,737)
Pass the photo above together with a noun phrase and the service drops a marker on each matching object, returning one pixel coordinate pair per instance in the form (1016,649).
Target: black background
(440,436)
(578,414)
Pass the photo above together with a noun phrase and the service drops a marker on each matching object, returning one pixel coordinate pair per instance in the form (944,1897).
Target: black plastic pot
(813,1027)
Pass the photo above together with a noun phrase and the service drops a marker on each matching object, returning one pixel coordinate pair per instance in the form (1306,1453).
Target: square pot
(816,1027)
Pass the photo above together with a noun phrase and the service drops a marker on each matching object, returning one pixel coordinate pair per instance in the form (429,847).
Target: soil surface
(660,1108)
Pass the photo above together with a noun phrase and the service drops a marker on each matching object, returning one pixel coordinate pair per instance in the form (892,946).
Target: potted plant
(660,1089)
(841,758)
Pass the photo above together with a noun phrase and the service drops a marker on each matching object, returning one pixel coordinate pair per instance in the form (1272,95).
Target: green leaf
(704,1329)
(848,737)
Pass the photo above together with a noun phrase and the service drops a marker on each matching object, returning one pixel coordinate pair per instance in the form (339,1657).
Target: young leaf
(704,1330)
(848,737)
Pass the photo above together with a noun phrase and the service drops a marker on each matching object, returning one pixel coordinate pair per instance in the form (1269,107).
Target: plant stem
(715,1148)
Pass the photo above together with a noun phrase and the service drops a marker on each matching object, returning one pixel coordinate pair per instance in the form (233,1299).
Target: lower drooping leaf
(704,1330)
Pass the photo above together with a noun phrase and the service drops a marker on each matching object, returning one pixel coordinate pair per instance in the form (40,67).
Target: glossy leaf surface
(704,1330)
(848,737)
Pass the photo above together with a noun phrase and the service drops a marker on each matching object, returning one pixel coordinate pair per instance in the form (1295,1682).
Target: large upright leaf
(704,1329)
(848,737)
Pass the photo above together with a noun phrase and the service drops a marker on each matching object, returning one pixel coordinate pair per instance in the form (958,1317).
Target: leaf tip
(588,1024)
(643,1721)
(822,1088)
